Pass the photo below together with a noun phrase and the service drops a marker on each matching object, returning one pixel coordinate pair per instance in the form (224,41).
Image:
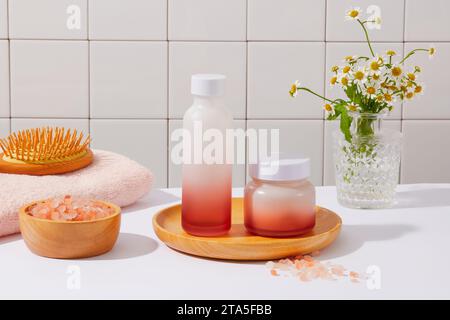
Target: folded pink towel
(111,177)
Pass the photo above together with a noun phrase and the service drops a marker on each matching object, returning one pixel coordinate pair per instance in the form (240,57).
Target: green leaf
(345,124)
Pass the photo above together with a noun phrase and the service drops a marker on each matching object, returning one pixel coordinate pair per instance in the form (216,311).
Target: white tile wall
(48,19)
(392,15)
(4,78)
(123,75)
(49,79)
(3,19)
(273,67)
(287,20)
(207,20)
(128,19)
(128,79)
(427,20)
(4,127)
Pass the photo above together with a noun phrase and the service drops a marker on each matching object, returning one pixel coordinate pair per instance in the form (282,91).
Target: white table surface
(408,243)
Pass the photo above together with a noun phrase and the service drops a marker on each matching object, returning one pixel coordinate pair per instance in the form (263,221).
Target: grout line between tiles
(9,67)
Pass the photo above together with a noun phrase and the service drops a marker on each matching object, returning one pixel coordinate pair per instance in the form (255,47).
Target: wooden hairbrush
(44,151)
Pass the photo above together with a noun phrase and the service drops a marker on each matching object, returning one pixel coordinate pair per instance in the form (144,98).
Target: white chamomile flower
(360,76)
(294,89)
(353,13)
(431,51)
(375,65)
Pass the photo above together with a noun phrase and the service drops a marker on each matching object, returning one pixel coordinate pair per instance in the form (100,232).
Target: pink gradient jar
(280,200)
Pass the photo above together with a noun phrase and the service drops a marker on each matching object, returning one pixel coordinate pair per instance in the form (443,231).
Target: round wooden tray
(47,168)
(238,244)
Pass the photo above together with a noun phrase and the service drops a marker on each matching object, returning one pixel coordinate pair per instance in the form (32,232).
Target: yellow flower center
(411,76)
(333,80)
(328,107)
(374,65)
(376,77)
(409,95)
(380,97)
(359,75)
(293,89)
(346,69)
(353,13)
(396,71)
(387,97)
(418,89)
(390,53)
(371,90)
(348,58)
(352,107)
(344,81)
(334,68)
(393,88)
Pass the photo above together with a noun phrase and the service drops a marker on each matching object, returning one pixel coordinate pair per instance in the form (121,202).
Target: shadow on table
(10,238)
(423,197)
(353,237)
(155,198)
(129,246)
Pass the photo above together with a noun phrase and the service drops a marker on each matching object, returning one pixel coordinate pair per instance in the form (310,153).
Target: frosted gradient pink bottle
(206,187)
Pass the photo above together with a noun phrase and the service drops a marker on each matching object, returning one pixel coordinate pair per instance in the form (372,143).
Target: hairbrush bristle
(42,145)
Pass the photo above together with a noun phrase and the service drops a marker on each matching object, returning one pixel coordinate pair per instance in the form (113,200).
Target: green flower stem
(411,53)
(367,37)
(316,94)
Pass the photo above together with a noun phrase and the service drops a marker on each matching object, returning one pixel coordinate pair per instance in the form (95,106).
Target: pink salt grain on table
(306,268)
(70,209)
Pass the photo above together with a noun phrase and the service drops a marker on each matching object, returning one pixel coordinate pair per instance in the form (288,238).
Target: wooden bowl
(238,244)
(69,239)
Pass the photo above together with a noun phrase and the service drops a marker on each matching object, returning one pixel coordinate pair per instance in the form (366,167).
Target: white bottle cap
(281,170)
(208,84)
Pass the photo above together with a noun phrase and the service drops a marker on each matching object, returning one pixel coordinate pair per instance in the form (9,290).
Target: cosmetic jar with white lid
(279,201)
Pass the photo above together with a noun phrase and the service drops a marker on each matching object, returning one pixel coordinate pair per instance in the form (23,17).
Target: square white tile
(273,67)
(426,151)
(331,128)
(187,58)
(435,101)
(427,20)
(128,19)
(81,125)
(207,20)
(3,19)
(336,53)
(128,79)
(52,82)
(297,138)
(4,128)
(144,141)
(391,12)
(48,19)
(175,175)
(4,78)
(293,20)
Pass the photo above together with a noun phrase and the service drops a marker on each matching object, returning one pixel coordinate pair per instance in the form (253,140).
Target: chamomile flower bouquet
(366,164)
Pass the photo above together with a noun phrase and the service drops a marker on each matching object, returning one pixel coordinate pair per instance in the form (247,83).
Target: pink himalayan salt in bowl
(70,209)
(70,228)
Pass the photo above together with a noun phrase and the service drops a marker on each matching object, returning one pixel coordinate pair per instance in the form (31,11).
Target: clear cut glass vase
(367,168)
